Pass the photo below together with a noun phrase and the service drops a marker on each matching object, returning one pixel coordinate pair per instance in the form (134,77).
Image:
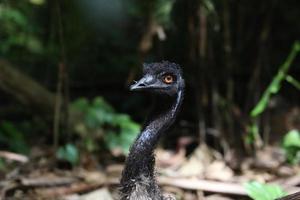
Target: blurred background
(67,117)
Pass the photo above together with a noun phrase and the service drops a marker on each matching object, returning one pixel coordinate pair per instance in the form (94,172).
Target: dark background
(230,52)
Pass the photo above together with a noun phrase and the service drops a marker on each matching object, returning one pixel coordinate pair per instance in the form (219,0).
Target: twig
(212,186)
(291,181)
(57,109)
(205,185)
(46,181)
(66,190)
(14,156)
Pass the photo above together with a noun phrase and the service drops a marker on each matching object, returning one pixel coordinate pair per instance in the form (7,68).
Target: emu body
(138,178)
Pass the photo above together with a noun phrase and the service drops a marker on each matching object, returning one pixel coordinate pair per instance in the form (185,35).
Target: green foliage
(253,137)
(12,139)
(291,145)
(276,83)
(259,191)
(293,81)
(69,153)
(159,9)
(163,10)
(128,132)
(101,122)
(17,31)
(37,2)
(253,134)
(273,88)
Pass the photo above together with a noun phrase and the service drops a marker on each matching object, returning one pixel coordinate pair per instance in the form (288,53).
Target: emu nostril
(138,85)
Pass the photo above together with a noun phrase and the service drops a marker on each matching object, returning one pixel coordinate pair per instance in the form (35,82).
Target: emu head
(161,77)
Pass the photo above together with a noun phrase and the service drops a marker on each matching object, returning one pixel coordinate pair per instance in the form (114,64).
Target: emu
(164,80)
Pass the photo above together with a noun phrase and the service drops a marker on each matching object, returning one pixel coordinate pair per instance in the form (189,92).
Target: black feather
(138,177)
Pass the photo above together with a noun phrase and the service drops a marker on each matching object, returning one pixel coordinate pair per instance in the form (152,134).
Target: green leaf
(275,84)
(128,131)
(99,102)
(10,136)
(8,14)
(101,121)
(37,2)
(259,191)
(261,105)
(81,104)
(69,153)
(292,139)
(18,31)
(291,145)
(34,45)
(293,81)
(253,133)
(90,145)
(163,10)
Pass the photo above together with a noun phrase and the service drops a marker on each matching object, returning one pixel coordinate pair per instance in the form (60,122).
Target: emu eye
(168,79)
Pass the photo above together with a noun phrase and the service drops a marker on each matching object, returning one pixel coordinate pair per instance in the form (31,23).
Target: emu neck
(140,162)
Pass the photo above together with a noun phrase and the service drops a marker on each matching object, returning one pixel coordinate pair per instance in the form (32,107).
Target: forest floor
(202,175)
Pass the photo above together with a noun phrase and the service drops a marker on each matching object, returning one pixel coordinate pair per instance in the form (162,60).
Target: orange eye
(168,79)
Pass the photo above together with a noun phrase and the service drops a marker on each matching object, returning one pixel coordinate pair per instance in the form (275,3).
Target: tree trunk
(25,90)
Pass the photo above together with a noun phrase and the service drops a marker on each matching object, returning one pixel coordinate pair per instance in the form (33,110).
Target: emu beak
(142,84)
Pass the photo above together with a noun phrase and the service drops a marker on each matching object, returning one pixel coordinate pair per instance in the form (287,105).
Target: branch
(14,156)
(25,90)
(30,93)
(212,186)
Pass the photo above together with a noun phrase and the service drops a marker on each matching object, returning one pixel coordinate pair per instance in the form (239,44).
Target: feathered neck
(139,166)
